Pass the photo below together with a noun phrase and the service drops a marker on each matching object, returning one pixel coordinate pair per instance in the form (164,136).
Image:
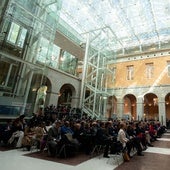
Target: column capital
(140,99)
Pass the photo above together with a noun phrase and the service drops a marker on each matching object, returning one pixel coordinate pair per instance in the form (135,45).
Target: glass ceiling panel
(130,22)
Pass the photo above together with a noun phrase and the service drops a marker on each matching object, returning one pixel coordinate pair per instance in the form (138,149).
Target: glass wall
(68,62)
(8,75)
(16,35)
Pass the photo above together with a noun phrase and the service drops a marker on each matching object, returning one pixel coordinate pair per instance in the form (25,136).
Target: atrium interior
(86,41)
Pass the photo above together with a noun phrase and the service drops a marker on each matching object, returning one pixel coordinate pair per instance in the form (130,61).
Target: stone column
(120,105)
(162,112)
(53,99)
(140,112)
(75,101)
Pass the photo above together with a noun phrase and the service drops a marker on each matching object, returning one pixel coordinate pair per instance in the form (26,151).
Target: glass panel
(48,53)
(43,49)
(30,5)
(4,67)
(21,39)
(68,63)
(13,33)
(132,22)
(17,35)
(2,3)
(55,56)
(12,76)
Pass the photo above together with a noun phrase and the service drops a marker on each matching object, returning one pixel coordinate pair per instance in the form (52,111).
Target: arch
(167,106)
(151,110)
(65,95)
(39,81)
(129,107)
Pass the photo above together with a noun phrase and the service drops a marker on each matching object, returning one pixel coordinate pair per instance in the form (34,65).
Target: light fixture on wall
(59,94)
(104,97)
(34,89)
(155,101)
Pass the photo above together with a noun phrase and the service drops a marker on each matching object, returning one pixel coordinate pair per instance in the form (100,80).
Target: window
(68,62)
(17,35)
(8,74)
(149,70)
(12,76)
(4,68)
(113,74)
(168,67)
(13,33)
(21,37)
(130,72)
(48,53)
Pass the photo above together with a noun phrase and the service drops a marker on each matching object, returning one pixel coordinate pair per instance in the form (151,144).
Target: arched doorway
(130,107)
(65,96)
(38,83)
(151,111)
(167,106)
(65,99)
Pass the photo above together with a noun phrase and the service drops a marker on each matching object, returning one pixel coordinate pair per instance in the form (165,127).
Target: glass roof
(124,23)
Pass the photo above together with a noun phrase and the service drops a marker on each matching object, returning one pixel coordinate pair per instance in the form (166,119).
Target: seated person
(29,135)
(123,138)
(17,131)
(66,128)
(103,139)
(54,138)
(134,140)
(39,133)
(6,132)
(43,141)
(87,138)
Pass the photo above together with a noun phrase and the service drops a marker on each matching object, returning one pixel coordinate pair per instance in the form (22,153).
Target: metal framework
(94,81)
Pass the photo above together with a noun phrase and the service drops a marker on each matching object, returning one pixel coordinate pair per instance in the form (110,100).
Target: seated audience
(54,138)
(123,138)
(17,131)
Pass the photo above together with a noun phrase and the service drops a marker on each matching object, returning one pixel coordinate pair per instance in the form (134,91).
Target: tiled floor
(155,158)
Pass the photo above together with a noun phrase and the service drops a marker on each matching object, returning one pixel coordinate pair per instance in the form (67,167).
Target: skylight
(131,22)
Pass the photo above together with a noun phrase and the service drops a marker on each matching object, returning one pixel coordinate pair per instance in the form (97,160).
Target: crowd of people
(52,131)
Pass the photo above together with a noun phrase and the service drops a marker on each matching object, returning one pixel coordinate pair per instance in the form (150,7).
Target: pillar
(140,112)
(120,106)
(75,101)
(162,112)
(53,99)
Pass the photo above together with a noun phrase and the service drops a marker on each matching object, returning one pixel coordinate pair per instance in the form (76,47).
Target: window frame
(130,72)
(149,70)
(168,68)
(19,39)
